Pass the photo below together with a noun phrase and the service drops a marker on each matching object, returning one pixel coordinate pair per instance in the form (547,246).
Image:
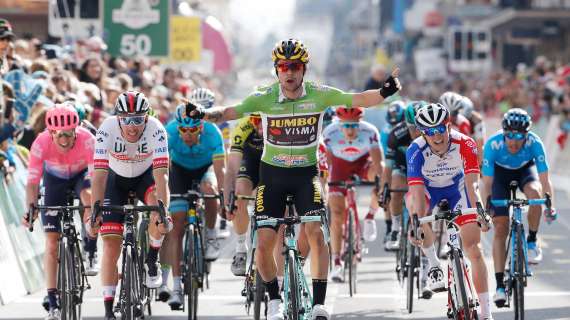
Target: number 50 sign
(136,27)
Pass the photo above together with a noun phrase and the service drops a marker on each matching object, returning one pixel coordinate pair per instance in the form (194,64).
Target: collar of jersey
(282,98)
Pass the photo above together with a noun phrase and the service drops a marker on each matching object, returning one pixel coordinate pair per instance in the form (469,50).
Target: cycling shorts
(181,180)
(276,183)
(456,196)
(55,195)
(502,179)
(342,170)
(249,168)
(117,193)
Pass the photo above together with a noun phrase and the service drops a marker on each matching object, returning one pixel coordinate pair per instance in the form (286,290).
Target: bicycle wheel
(74,275)
(63,286)
(402,254)
(350,257)
(410,270)
(293,290)
(142,240)
(127,288)
(464,310)
(518,280)
(440,239)
(259,296)
(197,271)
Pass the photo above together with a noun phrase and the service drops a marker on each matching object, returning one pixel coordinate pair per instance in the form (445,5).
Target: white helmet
(452,101)
(432,115)
(467,106)
(203,96)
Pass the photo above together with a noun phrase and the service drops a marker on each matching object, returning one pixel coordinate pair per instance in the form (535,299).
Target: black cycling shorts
(117,193)
(502,179)
(249,168)
(276,183)
(55,194)
(181,180)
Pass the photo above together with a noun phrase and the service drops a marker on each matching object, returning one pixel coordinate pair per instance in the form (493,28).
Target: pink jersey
(45,155)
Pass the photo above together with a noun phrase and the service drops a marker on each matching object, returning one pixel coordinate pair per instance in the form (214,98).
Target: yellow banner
(185,38)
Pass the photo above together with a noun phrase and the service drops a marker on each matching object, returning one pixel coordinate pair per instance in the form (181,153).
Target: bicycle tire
(128,310)
(518,279)
(402,254)
(63,278)
(350,254)
(440,239)
(293,290)
(74,280)
(464,312)
(259,296)
(410,264)
(188,270)
(197,275)
(142,241)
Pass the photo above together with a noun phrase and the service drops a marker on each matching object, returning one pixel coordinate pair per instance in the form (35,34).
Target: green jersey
(291,128)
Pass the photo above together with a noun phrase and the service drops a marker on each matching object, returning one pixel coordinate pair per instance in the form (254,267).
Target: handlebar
(128,208)
(386,191)
(233,198)
(355,181)
(30,217)
(274,222)
(547,201)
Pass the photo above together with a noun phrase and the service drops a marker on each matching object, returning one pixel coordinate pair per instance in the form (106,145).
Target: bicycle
(134,296)
(253,290)
(353,248)
(71,278)
(518,269)
(297,296)
(195,268)
(462,302)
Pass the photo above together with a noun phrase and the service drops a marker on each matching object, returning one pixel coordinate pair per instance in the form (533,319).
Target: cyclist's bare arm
(546,183)
(234,161)
(417,192)
(370,98)
(471,184)
(98,185)
(32,190)
(486,187)
(219,170)
(160,176)
(377,159)
(220,114)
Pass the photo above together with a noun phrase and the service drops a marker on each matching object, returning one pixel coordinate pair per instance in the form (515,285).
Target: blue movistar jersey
(496,152)
(384,135)
(209,147)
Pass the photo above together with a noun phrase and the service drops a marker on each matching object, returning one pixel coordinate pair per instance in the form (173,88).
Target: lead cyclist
(292,114)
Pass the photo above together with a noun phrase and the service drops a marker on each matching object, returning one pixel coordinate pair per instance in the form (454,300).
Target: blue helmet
(183,121)
(516,119)
(395,112)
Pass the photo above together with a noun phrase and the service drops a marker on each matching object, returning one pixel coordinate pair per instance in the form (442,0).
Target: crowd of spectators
(36,75)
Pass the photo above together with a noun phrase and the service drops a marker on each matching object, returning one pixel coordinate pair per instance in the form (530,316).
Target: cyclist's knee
(208,187)
(473,251)
(501,229)
(52,243)
(266,239)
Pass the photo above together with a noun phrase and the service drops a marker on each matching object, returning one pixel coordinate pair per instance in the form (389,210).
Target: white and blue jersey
(209,147)
(351,151)
(443,176)
(496,152)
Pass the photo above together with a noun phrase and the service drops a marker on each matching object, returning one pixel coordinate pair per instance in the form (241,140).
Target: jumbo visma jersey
(291,128)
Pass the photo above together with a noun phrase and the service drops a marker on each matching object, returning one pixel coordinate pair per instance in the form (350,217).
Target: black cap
(6,30)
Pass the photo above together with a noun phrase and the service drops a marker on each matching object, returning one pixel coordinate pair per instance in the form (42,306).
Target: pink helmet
(62,117)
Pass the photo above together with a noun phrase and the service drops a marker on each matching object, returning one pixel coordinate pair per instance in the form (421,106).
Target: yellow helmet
(291,49)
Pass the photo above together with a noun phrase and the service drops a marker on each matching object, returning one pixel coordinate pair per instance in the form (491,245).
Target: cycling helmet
(328,116)
(467,107)
(411,110)
(203,96)
(291,49)
(432,115)
(349,114)
(79,107)
(452,101)
(184,121)
(395,112)
(131,102)
(516,119)
(62,117)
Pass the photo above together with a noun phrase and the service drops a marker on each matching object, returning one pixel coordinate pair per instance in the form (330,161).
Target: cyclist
(62,156)
(394,175)
(515,153)
(394,115)
(243,175)
(353,148)
(207,98)
(442,164)
(195,146)
(292,113)
(131,154)
(454,102)
(477,125)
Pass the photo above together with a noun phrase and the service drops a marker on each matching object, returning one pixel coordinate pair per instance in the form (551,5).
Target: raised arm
(371,98)
(220,114)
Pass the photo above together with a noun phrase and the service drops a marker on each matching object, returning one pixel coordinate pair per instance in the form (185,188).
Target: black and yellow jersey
(245,138)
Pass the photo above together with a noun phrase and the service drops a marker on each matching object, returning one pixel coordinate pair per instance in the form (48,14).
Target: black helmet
(516,119)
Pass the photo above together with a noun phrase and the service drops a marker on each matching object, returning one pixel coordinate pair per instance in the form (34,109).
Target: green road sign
(136,27)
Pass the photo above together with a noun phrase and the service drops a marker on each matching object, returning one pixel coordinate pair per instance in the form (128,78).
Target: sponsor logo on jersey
(351,151)
(289,160)
(497,145)
(306,106)
(259,207)
(293,130)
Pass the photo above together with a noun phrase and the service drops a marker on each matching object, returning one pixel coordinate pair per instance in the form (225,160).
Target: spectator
(377,76)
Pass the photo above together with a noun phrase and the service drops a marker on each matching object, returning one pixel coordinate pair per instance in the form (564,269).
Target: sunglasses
(132,120)
(255,120)
(351,125)
(190,130)
(514,135)
(63,133)
(430,132)
(286,66)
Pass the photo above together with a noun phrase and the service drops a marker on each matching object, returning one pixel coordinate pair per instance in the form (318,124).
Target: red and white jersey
(335,142)
(462,124)
(127,159)
(426,167)
(322,156)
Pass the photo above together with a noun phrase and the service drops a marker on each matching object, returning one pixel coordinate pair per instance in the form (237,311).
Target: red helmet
(349,114)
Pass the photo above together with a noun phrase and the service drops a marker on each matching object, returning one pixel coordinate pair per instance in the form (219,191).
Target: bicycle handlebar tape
(95,212)
(30,217)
